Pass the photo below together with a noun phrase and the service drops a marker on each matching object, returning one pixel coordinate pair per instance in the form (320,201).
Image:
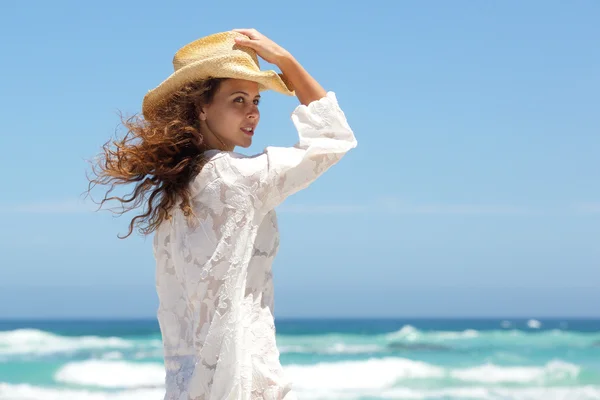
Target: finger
(251,33)
(243,41)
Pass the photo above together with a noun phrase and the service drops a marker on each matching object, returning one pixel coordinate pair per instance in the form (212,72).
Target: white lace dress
(213,278)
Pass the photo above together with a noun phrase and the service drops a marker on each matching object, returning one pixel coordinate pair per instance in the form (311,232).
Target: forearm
(306,87)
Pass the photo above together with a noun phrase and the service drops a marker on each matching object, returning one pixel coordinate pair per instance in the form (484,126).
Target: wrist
(284,59)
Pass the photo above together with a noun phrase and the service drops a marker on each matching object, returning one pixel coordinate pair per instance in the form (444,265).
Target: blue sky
(473,190)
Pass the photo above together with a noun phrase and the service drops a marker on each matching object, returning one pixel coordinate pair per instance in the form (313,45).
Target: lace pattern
(214,277)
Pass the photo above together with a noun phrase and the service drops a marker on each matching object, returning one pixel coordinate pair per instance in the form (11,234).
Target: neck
(212,140)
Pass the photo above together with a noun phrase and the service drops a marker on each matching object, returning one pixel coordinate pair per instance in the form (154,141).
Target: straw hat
(216,56)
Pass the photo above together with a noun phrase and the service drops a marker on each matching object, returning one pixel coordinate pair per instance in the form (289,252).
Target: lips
(248,130)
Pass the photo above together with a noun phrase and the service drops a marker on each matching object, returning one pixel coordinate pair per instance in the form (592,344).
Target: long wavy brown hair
(159,156)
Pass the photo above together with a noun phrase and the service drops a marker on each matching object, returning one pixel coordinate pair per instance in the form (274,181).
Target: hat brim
(216,67)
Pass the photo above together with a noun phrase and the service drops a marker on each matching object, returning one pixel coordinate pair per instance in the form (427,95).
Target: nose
(253,113)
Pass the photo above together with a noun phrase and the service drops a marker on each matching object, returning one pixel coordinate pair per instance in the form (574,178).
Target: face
(232,116)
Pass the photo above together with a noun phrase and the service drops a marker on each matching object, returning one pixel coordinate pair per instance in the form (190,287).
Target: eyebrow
(239,91)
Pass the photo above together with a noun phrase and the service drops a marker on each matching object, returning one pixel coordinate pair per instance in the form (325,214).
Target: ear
(201,112)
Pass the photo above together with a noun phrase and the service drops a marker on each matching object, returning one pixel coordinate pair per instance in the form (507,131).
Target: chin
(245,144)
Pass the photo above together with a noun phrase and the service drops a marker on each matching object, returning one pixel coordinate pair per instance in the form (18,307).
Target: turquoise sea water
(326,359)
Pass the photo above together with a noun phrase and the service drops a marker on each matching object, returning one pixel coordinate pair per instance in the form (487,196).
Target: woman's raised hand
(307,89)
(267,49)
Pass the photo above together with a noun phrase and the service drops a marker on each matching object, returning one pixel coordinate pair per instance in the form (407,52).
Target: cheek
(226,120)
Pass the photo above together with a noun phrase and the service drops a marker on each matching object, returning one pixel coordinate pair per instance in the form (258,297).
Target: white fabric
(213,277)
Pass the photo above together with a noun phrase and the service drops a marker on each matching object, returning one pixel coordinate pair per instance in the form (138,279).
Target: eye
(241,99)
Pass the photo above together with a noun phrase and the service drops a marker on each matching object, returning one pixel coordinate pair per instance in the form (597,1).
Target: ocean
(327,359)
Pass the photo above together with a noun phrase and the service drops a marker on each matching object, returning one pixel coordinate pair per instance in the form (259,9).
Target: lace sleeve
(324,137)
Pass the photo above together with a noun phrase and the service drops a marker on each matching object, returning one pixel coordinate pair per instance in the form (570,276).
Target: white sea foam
(112,355)
(360,375)
(294,349)
(37,342)
(386,378)
(335,348)
(372,374)
(111,374)
(409,333)
(467,334)
(386,373)
(463,393)
(30,392)
(341,348)
(483,393)
(533,337)
(551,372)
(534,324)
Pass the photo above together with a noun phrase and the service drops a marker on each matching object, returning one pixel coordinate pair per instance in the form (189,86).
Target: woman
(212,210)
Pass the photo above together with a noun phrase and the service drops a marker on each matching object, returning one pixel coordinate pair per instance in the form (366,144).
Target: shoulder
(232,167)
(230,170)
